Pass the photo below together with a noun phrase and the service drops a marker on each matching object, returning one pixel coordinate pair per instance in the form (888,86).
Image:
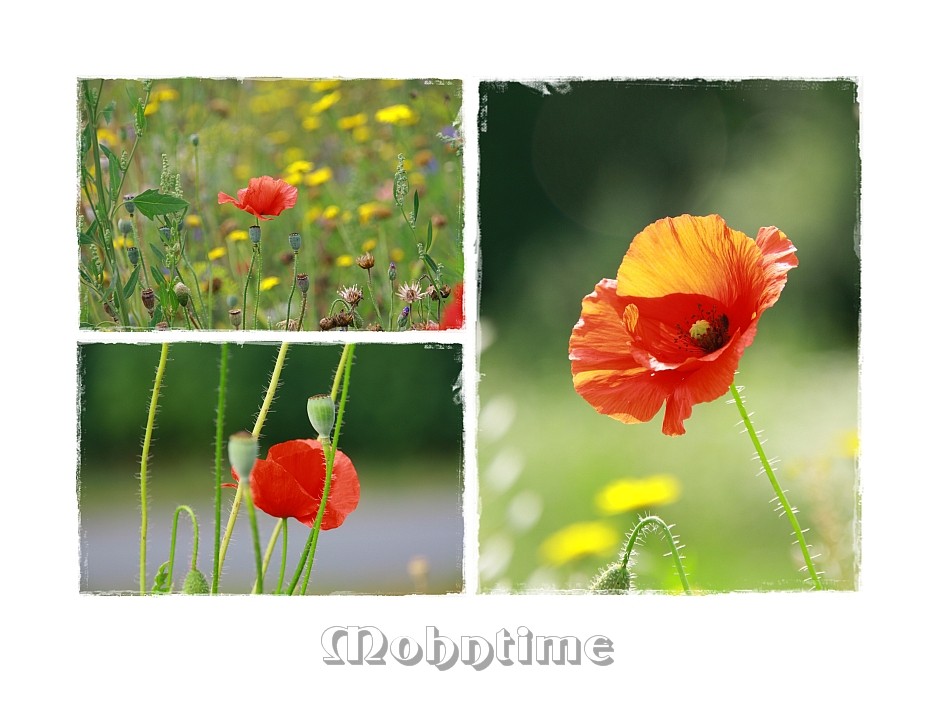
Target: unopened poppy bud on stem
(242,452)
(322,413)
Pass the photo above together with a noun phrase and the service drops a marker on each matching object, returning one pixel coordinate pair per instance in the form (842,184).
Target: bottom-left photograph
(286,468)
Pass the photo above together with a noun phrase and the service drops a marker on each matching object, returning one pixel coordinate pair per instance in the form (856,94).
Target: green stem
(293,287)
(245,291)
(219,423)
(346,359)
(268,551)
(252,518)
(148,434)
(176,517)
(329,455)
(781,496)
(637,531)
(259,423)
(280,578)
(258,288)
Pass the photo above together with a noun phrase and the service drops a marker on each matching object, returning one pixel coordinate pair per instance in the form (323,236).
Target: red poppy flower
(452,315)
(674,325)
(265,197)
(289,483)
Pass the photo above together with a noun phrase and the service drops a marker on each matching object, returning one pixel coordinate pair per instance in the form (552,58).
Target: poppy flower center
(707,330)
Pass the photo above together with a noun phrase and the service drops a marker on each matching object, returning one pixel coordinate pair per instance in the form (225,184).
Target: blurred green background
(402,429)
(570,172)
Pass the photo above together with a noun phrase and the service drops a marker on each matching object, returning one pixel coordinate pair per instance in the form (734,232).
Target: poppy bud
(129,203)
(254,234)
(322,413)
(195,583)
(149,300)
(403,317)
(235,317)
(614,579)
(242,452)
(194,139)
(294,239)
(133,255)
(125,227)
(231,300)
(392,271)
(182,293)
(303,282)
(165,234)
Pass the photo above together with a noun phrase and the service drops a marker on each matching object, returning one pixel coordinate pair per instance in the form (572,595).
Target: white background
(735,648)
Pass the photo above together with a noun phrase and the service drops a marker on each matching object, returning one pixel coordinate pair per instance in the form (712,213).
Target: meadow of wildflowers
(269,204)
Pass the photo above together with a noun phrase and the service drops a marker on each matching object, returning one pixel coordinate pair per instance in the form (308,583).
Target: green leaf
(159,253)
(414,214)
(114,172)
(131,283)
(108,112)
(161,582)
(152,202)
(427,247)
(87,278)
(85,237)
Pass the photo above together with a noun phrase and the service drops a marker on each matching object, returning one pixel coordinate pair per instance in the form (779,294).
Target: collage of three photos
(280,293)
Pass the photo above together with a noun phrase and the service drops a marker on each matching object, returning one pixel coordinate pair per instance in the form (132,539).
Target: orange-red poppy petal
(265,197)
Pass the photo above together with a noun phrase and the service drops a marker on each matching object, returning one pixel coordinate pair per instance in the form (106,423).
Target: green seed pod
(195,583)
(294,239)
(613,579)
(133,255)
(182,293)
(322,413)
(242,452)
(125,227)
(254,234)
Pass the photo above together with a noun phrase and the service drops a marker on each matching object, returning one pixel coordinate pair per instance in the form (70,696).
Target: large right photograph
(669,314)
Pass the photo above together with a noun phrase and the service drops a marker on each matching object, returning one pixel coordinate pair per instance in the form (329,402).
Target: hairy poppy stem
(258,286)
(781,496)
(145,451)
(176,518)
(290,297)
(251,265)
(269,550)
(329,451)
(252,518)
(259,423)
(652,520)
(219,424)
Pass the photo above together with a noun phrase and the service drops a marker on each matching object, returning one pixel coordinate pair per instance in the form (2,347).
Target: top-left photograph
(270,204)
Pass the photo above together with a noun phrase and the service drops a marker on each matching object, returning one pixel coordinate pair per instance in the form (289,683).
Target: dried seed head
(235,317)
(162,326)
(366,261)
(344,318)
(149,300)
(327,323)
(351,294)
(303,282)
(410,292)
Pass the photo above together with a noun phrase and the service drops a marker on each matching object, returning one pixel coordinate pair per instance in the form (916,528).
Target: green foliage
(152,203)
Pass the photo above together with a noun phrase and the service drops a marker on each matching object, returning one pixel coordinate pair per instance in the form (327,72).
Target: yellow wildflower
(238,235)
(164,94)
(331,212)
(310,123)
(319,177)
(313,214)
(626,494)
(293,153)
(353,121)
(152,108)
(217,253)
(242,172)
(326,102)
(397,254)
(269,282)
(361,134)
(193,221)
(397,114)
(344,260)
(108,137)
(120,241)
(279,136)
(580,539)
(369,244)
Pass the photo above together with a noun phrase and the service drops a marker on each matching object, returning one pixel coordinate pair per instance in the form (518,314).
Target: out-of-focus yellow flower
(119,242)
(361,134)
(326,102)
(324,86)
(242,172)
(344,260)
(580,539)
(269,282)
(848,444)
(108,137)
(193,221)
(397,114)
(369,244)
(278,136)
(313,214)
(626,494)
(294,173)
(164,94)
(373,211)
(217,253)
(353,121)
(238,235)
(319,177)
(310,123)
(151,109)
(331,212)
(397,254)
(416,179)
